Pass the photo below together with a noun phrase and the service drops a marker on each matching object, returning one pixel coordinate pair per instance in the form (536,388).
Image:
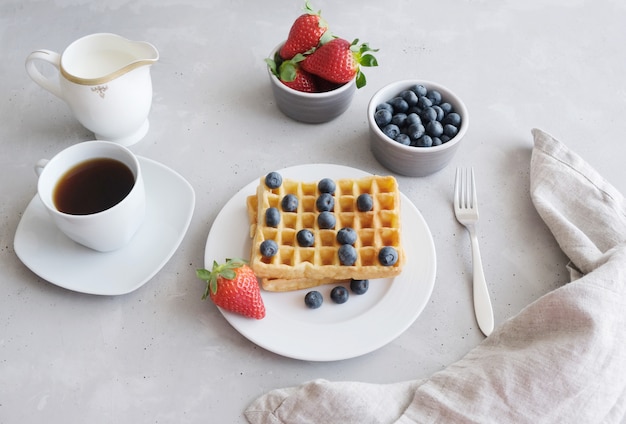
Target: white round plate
(332,332)
(54,257)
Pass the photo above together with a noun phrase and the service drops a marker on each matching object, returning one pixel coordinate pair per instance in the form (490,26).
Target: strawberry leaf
(272,65)
(360,79)
(364,48)
(210,278)
(325,38)
(368,60)
(287,71)
(203,274)
(235,262)
(309,9)
(228,274)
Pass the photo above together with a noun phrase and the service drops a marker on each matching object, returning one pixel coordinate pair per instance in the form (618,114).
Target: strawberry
(234,287)
(292,75)
(339,61)
(305,34)
(303,81)
(323,85)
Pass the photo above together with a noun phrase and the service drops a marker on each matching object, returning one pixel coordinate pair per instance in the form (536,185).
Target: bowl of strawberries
(315,74)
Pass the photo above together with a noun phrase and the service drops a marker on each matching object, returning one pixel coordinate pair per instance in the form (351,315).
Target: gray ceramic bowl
(409,160)
(312,108)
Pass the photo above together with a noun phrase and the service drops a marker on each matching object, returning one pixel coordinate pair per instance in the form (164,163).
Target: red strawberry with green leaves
(339,61)
(233,286)
(307,31)
(290,73)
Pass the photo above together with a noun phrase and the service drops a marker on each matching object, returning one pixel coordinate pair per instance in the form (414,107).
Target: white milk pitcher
(105,80)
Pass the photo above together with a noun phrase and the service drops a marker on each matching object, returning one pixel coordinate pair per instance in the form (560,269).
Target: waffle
(295,267)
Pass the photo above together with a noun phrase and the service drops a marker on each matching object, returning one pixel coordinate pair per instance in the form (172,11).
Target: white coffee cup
(106,230)
(105,80)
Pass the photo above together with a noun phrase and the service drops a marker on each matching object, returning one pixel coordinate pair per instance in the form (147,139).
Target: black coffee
(93,186)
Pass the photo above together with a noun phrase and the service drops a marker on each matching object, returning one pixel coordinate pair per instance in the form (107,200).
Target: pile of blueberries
(338,294)
(418,117)
(325,204)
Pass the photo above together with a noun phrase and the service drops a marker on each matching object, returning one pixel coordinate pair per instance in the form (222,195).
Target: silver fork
(466,211)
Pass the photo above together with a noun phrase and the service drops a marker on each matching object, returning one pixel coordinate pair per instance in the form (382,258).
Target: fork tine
(462,191)
(457,189)
(465,188)
(465,196)
(472,189)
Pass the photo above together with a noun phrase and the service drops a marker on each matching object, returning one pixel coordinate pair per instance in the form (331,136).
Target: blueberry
(424,102)
(382,117)
(326,220)
(399,104)
(347,254)
(440,112)
(415,131)
(359,286)
(410,97)
(429,114)
(450,130)
(403,139)
(434,128)
(339,294)
(446,107)
(385,106)
(346,235)
(388,256)
(272,217)
(437,141)
(268,248)
(326,185)
(399,119)
(325,202)
(313,299)
(419,89)
(434,96)
(424,141)
(305,238)
(289,203)
(273,180)
(444,138)
(391,131)
(452,118)
(413,119)
(364,202)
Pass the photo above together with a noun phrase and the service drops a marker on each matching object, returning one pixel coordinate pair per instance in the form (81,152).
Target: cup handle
(46,56)
(40,165)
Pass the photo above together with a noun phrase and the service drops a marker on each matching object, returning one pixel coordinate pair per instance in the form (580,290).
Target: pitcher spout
(104,58)
(144,53)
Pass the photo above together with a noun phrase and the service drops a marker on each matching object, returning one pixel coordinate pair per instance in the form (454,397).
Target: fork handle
(482,303)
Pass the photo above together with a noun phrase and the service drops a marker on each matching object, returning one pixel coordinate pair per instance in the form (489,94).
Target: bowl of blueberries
(416,126)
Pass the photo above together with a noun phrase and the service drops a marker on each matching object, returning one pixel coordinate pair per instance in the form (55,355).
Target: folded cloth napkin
(562,359)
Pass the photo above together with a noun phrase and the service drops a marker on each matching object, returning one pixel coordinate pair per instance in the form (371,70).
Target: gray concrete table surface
(160,353)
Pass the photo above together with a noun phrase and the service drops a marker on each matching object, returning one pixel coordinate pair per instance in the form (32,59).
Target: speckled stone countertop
(160,353)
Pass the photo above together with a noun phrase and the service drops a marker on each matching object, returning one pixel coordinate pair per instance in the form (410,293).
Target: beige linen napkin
(560,360)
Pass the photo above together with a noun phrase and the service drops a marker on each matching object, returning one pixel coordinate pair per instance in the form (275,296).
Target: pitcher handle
(46,56)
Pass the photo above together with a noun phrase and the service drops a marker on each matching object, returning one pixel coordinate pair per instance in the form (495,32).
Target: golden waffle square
(295,267)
